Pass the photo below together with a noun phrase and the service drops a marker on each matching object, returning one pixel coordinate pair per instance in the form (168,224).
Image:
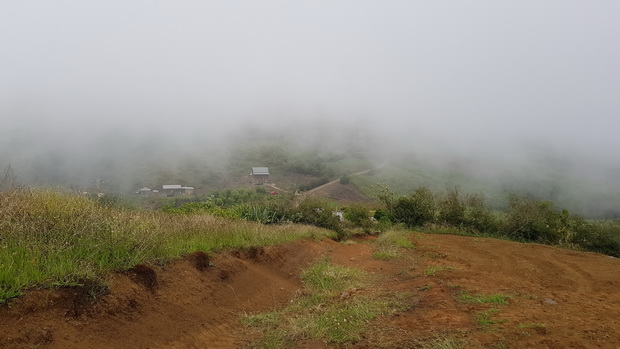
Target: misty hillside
(128,164)
(592,196)
(490,97)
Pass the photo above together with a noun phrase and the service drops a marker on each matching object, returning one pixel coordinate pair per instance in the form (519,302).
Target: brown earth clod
(144,275)
(200,260)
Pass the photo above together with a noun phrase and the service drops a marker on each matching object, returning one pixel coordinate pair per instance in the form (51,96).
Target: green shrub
(358,214)
(533,220)
(389,244)
(451,208)
(345,179)
(415,209)
(478,217)
(526,219)
(317,212)
(602,237)
(385,195)
(384,223)
(257,213)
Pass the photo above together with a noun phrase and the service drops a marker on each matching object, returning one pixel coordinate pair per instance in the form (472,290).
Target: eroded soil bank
(557,298)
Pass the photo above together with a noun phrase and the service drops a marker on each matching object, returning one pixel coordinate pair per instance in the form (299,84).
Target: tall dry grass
(50,238)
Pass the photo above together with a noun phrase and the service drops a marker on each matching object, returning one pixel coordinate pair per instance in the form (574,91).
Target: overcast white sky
(465,75)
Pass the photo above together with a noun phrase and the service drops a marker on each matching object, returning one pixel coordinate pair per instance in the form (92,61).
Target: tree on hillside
(451,207)
(415,209)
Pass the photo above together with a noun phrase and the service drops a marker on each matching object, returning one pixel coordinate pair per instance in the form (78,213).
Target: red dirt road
(558,298)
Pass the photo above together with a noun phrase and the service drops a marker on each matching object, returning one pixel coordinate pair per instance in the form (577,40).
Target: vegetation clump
(497,298)
(390,243)
(525,219)
(358,214)
(330,309)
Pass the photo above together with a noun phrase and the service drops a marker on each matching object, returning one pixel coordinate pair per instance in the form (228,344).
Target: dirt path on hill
(557,298)
(344,194)
(338,180)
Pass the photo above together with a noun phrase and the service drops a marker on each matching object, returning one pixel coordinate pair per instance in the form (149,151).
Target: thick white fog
(498,82)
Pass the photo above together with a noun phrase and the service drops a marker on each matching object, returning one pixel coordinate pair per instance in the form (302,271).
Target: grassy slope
(50,238)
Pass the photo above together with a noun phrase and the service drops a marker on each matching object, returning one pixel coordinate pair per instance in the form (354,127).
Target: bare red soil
(343,194)
(558,298)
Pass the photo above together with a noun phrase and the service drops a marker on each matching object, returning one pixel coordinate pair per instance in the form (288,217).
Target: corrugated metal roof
(260,171)
(175,186)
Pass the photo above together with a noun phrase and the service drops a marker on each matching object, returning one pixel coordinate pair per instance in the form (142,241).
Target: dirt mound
(554,298)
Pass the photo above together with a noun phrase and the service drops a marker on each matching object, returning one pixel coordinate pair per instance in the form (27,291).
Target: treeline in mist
(525,219)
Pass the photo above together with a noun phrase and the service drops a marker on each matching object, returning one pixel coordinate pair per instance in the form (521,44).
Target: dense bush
(451,208)
(345,179)
(415,209)
(384,223)
(533,220)
(526,219)
(316,212)
(358,214)
(478,216)
(602,237)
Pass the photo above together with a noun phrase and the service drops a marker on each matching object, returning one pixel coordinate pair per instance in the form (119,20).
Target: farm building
(144,191)
(260,175)
(177,189)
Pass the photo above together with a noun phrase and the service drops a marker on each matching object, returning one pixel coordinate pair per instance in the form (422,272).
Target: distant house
(260,175)
(144,191)
(177,189)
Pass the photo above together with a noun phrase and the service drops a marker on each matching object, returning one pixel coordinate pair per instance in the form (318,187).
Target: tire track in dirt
(565,293)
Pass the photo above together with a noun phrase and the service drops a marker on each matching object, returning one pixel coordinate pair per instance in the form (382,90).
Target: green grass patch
(345,322)
(485,319)
(451,230)
(49,238)
(390,244)
(432,271)
(327,277)
(386,255)
(331,309)
(496,298)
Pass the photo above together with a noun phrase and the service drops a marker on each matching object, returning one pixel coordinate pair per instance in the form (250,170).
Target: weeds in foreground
(497,298)
(386,255)
(389,244)
(332,308)
(432,271)
(485,319)
(539,328)
(326,277)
